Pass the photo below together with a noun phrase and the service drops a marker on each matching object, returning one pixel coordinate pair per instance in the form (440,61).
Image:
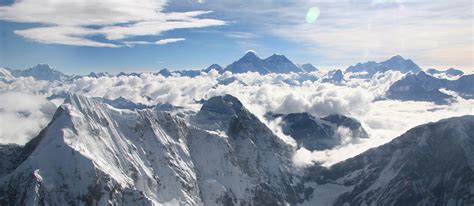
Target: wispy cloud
(431,32)
(78,22)
(160,42)
(171,40)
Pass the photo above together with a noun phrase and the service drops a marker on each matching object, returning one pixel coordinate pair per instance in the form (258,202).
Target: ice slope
(92,153)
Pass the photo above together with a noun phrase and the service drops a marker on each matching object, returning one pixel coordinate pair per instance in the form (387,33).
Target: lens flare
(312,15)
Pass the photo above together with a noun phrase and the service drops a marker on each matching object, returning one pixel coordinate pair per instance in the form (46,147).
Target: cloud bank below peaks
(260,94)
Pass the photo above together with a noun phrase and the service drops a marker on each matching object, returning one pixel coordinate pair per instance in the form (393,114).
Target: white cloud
(171,40)
(74,23)
(278,93)
(433,33)
(22,116)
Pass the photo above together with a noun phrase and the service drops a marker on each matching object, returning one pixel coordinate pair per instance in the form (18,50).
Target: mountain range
(92,153)
(395,63)
(423,87)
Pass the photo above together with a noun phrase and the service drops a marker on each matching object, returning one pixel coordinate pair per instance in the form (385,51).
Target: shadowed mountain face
(423,87)
(320,134)
(430,164)
(94,154)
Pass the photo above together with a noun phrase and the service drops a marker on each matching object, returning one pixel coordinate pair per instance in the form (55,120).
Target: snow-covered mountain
(321,133)
(395,63)
(41,72)
(423,87)
(250,62)
(432,164)
(92,153)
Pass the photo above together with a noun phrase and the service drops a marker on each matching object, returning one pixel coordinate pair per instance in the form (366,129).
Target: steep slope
(94,154)
(249,163)
(431,164)
(280,64)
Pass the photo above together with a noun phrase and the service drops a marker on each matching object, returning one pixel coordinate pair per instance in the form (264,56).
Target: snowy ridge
(94,154)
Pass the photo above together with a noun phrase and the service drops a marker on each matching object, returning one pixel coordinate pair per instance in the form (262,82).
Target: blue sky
(147,35)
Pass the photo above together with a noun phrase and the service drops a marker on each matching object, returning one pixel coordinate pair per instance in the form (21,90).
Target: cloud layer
(23,116)
(277,93)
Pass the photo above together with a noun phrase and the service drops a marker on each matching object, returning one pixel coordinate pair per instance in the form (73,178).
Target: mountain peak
(397,57)
(226,104)
(277,58)
(42,72)
(216,67)
(218,112)
(250,55)
(42,67)
(308,67)
(164,72)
